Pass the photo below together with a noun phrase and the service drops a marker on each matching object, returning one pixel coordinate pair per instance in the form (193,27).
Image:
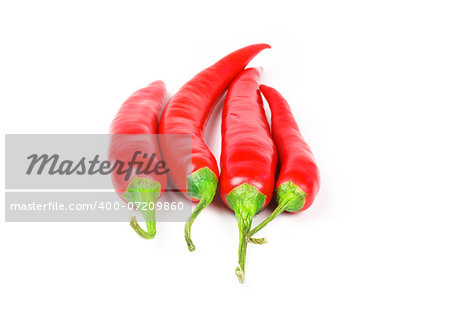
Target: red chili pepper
(248,160)
(299,180)
(187,112)
(139,116)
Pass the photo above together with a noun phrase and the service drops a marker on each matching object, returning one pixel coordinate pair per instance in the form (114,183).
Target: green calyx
(202,185)
(246,201)
(142,192)
(290,198)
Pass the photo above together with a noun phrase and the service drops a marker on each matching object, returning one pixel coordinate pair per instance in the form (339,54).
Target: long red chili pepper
(248,160)
(139,116)
(299,180)
(187,113)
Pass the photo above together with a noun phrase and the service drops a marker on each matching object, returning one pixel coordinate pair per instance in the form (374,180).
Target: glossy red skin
(138,115)
(248,151)
(297,162)
(190,108)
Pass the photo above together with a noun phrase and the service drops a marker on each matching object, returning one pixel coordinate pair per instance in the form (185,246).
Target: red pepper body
(194,171)
(188,111)
(139,113)
(297,162)
(133,130)
(298,180)
(248,160)
(248,151)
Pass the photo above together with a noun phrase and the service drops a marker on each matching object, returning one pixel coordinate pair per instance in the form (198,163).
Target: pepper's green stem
(290,198)
(143,192)
(187,227)
(246,201)
(258,241)
(272,216)
(202,185)
(244,224)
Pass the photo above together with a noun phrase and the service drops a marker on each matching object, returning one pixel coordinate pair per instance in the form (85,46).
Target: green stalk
(202,185)
(272,216)
(142,192)
(246,201)
(187,227)
(290,198)
(244,224)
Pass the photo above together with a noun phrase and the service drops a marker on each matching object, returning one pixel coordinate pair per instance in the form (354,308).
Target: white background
(369,84)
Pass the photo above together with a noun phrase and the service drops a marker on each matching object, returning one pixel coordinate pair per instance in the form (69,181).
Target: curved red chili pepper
(187,113)
(248,160)
(299,179)
(139,116)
